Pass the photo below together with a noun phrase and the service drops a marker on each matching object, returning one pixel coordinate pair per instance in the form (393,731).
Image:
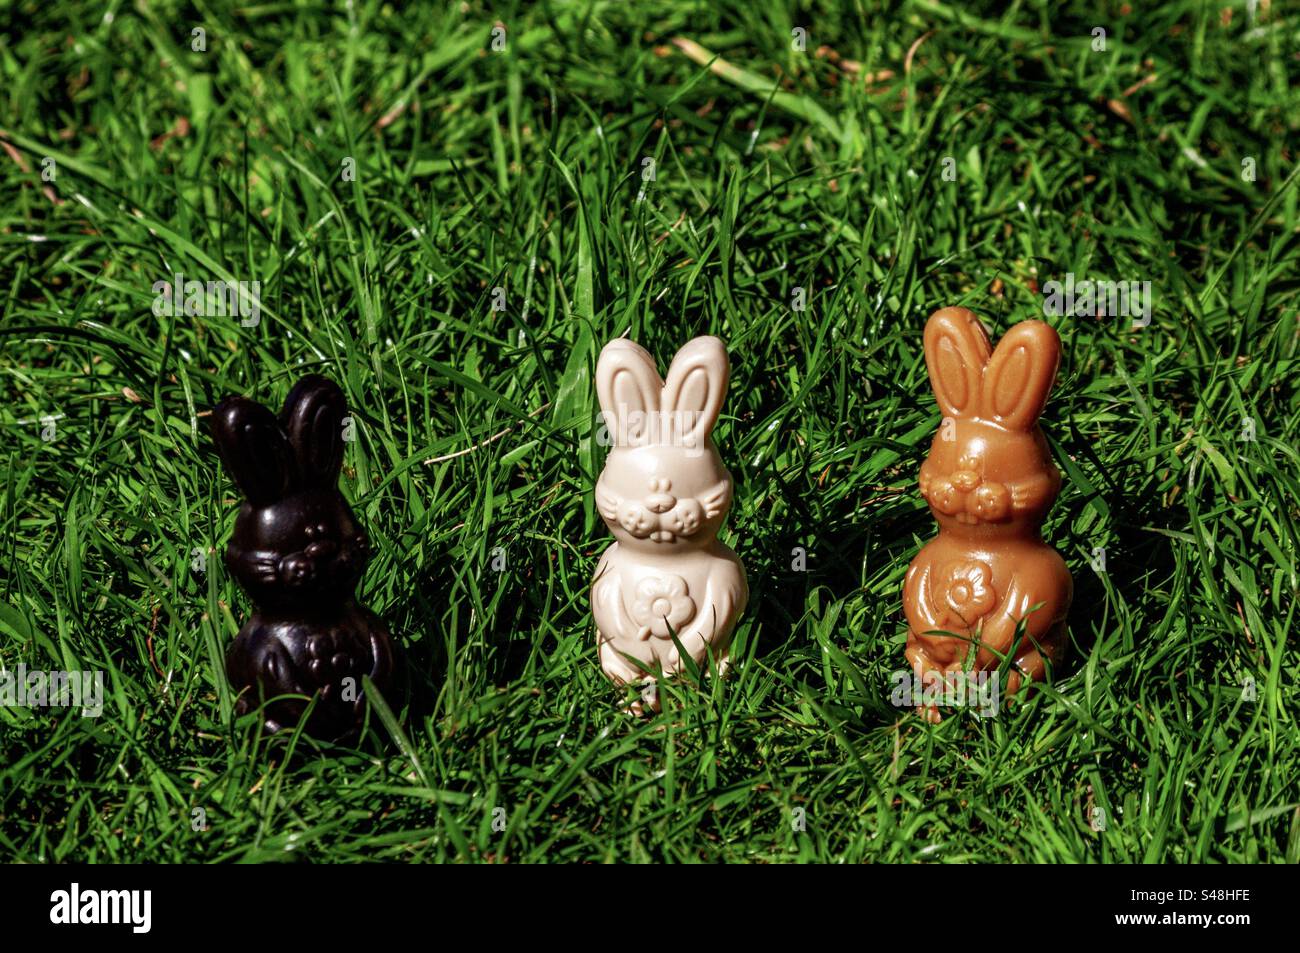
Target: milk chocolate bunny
(298,552)
(664,493)
(989,481)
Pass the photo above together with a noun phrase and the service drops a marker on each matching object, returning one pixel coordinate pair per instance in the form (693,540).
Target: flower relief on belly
(962,593)
(662,604)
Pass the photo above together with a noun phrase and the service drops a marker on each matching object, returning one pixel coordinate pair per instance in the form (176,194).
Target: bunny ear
(956,350)
(253,447)
(628,387)
(313,418)
(695,388)
(1020,375)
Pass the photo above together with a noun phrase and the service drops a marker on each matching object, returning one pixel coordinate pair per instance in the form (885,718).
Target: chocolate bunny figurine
(299,553)
(664,493)
(989,481)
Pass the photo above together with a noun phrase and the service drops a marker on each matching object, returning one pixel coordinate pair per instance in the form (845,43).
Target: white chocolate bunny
(664,493)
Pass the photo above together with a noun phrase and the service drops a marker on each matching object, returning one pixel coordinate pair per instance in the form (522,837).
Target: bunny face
(664,485)
(969,484)
(296,542)
(656,497)
(989,469)
(306,550)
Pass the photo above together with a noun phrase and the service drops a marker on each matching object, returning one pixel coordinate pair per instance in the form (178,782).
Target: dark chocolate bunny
(298,552)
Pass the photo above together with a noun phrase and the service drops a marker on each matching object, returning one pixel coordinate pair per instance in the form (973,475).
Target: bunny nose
(660,502)
(965,480)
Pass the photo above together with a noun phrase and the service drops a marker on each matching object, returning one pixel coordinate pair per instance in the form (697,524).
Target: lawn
(449,209)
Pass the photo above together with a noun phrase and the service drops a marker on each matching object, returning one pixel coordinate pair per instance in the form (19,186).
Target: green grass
(521,169)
